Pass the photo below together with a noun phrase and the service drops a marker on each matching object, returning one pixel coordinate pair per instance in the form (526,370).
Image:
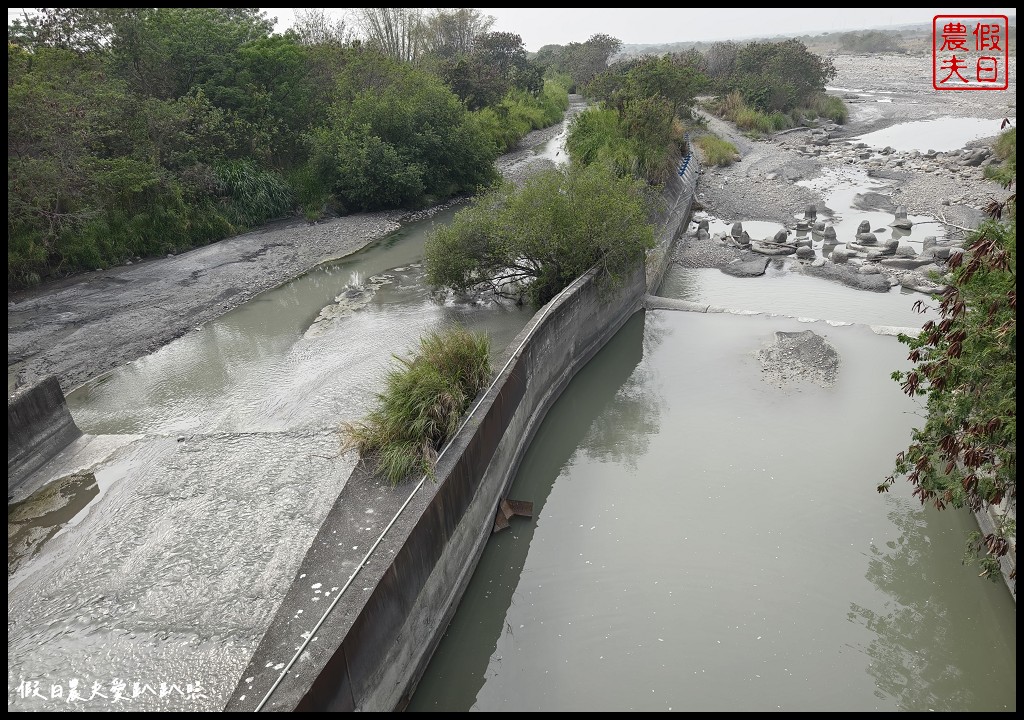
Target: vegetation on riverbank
(717,151)
(965,365)
(531,242)
(1005,171)
(756,122)
(765,87)
(424,398)
(135,132)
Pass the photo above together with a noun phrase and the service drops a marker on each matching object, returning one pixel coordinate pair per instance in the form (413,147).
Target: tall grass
(520,112)
(733,107)
(423,401)
(251,195)
(828,106)
(717,151)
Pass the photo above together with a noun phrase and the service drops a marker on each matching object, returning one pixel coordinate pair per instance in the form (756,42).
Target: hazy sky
(560,26)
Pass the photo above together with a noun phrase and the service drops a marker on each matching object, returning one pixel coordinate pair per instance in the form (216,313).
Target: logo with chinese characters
(116,692)
(970,52)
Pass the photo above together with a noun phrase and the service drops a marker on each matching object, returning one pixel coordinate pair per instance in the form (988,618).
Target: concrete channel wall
(672,219)
(371,644)
(39,425)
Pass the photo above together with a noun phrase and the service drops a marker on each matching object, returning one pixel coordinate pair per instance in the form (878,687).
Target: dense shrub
(424,398)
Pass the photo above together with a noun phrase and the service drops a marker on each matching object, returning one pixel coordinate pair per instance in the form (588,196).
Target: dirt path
(82,327)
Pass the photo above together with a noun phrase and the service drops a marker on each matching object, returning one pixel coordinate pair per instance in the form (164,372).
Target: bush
(535,240)
(642,140)
(424,399)
(717,151)
(965,453)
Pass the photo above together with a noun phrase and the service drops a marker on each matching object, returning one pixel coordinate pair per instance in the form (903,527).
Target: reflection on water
(736,557)
(459,671)
(941,134)
(918,657)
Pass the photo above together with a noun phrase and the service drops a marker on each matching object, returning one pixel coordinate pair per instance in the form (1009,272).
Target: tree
(166,52)
(313,26)
(398,137)
(496,64)
(676,79)
(396,33)
(534,241)
(583,61)
(450,33)
(964,456)
(721,57)
(779,75)
(553,58)
(78,29)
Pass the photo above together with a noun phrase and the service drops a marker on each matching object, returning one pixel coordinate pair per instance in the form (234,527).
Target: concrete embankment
(388,567)
(39,426)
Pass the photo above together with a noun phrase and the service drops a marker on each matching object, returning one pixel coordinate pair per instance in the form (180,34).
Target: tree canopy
(135,132)
(533,241)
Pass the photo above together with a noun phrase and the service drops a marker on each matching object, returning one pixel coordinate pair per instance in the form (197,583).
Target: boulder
(902,221)
(841,254)
(751,267)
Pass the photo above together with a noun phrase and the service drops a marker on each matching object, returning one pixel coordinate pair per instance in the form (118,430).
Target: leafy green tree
(721,60)
(166,52)
(872,41)
(78,29)
(398,137)
(779,76)
(552,58)
(533,241)
(61,110)
(496,65)
(677,80)
(584,61)
(964,456)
